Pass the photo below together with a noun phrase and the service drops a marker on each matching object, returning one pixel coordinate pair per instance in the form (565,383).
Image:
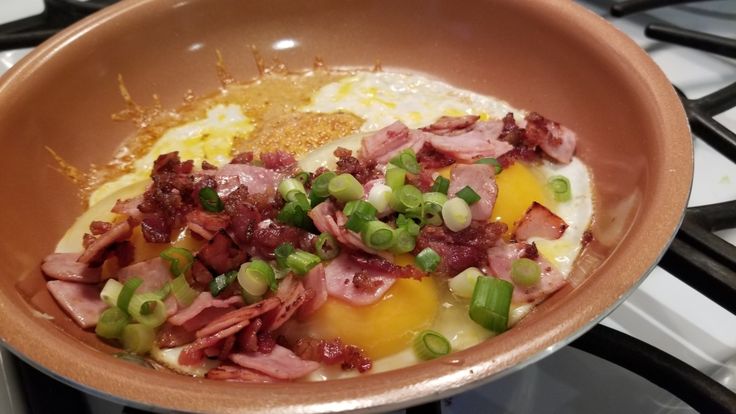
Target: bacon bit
(363,171)
(221,254)
(463,249)
(266,342)
(87,240)
(379,264)
(99,227)
(268,235)
(364,282)
(530,252)
(243,158)
(333,352)
(278,160)
(587,237)
(207,166)
(429,157)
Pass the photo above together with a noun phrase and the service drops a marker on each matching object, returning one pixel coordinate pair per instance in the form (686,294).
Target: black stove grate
(697,256)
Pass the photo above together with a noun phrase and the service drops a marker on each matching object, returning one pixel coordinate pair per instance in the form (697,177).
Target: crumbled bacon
(207,166)
(587,237)
(383,266)
(156,228)
(278,160)
(462,249)
(363,171)
(243,158)
(87,240)
(99,227)
(333,352)
(221,254)
(266,342)
(268,235)
(365,282)
(429,157)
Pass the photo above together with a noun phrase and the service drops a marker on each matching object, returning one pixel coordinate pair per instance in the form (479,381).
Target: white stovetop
(663,311)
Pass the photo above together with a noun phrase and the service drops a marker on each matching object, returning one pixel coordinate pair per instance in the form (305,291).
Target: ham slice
(500,259)
(193,353)
(452,125)
(481,178)
(316,282)
(232,373)
(64,266)
(202,302)
(384,143)
(292,295)
(154,273)
(81,302)
(339,276)
(481,141)
(554,139)
(281,363)
(329,220)
(235,317)
(206,224)
(129,207)
(539,221)
(119,232)
(258,179)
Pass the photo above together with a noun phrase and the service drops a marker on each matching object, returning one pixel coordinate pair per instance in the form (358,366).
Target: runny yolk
(385,327)
(518,188)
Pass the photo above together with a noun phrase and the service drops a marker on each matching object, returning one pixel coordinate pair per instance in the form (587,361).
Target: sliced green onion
(327,247)
(430,344)
(210,201)
(295,214)
(456,214)
(489,306)
(183,293)
(404,242)
(288,185)
(380,196)
(345,187)
(378,235)
(147,309)
(492,162)
(468,194)
(395,177)
(302,262)
(111,323)
(350,207)
(180,259)
(406,198)
(433,203)
(440,185)
(407,160)
(427,260)
(250,299)
(256,278)
(463,284)
(320,185)
(407,223)
(314,199)
(300,199)
(560,187)
(302,177)
(525,272)
(163,292)
(281,252)
(221,282)
(127,292)
(111,292)
(359,213)
(138,338)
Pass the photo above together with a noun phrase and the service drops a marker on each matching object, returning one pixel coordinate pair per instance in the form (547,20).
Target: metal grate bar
(634,6)
(702,41)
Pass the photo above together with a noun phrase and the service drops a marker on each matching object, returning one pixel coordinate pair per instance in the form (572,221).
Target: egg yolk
(385,327)
(518,188)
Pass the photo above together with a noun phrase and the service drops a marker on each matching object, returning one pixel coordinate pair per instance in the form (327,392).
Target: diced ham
(481,141)
(206,224)
(539,221)
(64,266)
(339,275)
(257,179)
(119,232)
(129,207)
(154,273)
(281,363)
(200,303)
(500,259)
(316,282)
(452,125)
(554,139)
(384,143)
(81,302)
(232,373)
(481,178)
(328,219)
(235,317)
(292,295)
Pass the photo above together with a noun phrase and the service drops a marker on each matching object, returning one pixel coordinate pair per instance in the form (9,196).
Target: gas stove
(678,325)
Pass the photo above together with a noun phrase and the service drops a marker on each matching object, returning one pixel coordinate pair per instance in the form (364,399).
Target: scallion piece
(433,203)
(359,213)
(407,160)
(300,199)
(395,177)
(221,282)
(256,278)
(314,199)
(492,162)
(180,259)
(210,201)
(430,344)
(127,292)
(295,214)
(345,187)
(410,225)
(183,293)
(138,338)
(404,242)
(281,252)
(525,272)
(288,185)
(489,306)
(468,194)
(302,177)
(560,187)
(111,292)
(320,185)
(456,214)
(147,309)
(463,283)
(378,235)
(407,198)
(111,323)
(302,262)
(440,185)
(427,260)
(380,197)
(327,247)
